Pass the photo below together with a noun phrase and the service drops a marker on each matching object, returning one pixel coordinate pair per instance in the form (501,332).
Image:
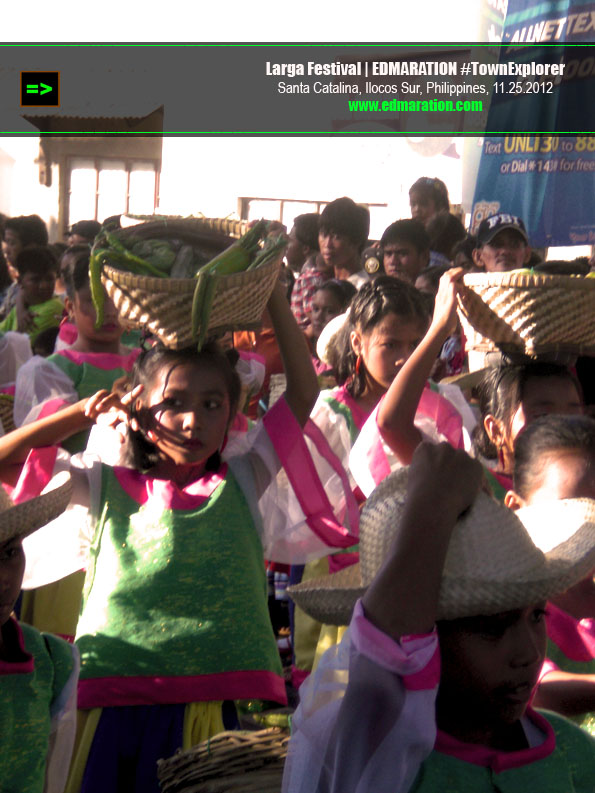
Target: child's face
(325,306)
(403,260)
(542,396)
(385,348)
(83,315)
(423,208)
(187,412)
(12,569)
(490,667)
(37,288)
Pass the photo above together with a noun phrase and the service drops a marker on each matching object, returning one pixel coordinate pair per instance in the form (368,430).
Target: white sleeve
(291,502)
(38,382)
(62,733)
(366,721)
(60,548)
(336,431)
(15,350)
(371,459)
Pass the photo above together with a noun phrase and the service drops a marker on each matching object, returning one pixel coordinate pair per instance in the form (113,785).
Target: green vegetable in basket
(235,259)
(156,252)
(184,265)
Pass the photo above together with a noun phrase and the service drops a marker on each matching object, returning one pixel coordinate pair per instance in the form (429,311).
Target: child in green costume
(174,622)
(36,307)
(38,672)
(430,689)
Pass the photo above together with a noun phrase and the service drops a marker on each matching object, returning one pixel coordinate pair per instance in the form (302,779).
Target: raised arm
(302,385)
(397,410)
(403,598)
(52,430)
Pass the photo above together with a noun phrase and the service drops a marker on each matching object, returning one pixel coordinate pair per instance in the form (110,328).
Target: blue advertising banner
(547,179)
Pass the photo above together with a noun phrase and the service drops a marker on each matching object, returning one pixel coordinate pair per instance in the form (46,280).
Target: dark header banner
(297,89)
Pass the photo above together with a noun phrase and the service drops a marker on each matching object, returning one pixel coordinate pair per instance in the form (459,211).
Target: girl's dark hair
(434,274)
(465,246)
(343,291)
(445,231)
(501,392)
(75,274)
(546,435)
(36,259)
(375,299)
(30,229)
(433,188)
(143,453)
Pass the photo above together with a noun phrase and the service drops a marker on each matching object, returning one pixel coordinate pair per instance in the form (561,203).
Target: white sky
(238,20)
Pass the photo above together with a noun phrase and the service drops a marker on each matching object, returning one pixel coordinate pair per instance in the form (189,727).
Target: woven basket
(7,412)
(163,306)
(529,314)
(234,761)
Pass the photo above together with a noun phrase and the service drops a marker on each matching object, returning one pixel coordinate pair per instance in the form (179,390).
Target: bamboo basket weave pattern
(7,412)
(163,306)
(233,761)
(528,313)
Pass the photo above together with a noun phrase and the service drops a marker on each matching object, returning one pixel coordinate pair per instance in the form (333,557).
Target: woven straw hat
(20,520)
(497,560)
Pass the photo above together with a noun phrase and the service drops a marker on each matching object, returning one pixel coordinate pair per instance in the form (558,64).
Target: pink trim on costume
(102,360)
(493,758)
(415,658)
(445,417)
(105,692)
(36,474)
(290,446)
(313,431)
(575,640)
(298,676)
(342,395)
(428,677)
(68,332)
(339,561)
(547,667)
(26,665)
(141,488)
(320,367)
(377,460)
(52,406)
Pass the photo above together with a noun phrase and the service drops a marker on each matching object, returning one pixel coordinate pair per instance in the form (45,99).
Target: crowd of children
(430,621)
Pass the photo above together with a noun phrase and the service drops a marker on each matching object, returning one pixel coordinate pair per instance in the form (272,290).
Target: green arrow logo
(33,88)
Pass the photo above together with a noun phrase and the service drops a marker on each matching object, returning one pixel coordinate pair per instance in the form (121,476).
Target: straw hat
(20,520)
(497,560)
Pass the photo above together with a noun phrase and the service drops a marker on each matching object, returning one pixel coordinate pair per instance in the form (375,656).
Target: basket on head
(238,761)
(163,306)
(528,313)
